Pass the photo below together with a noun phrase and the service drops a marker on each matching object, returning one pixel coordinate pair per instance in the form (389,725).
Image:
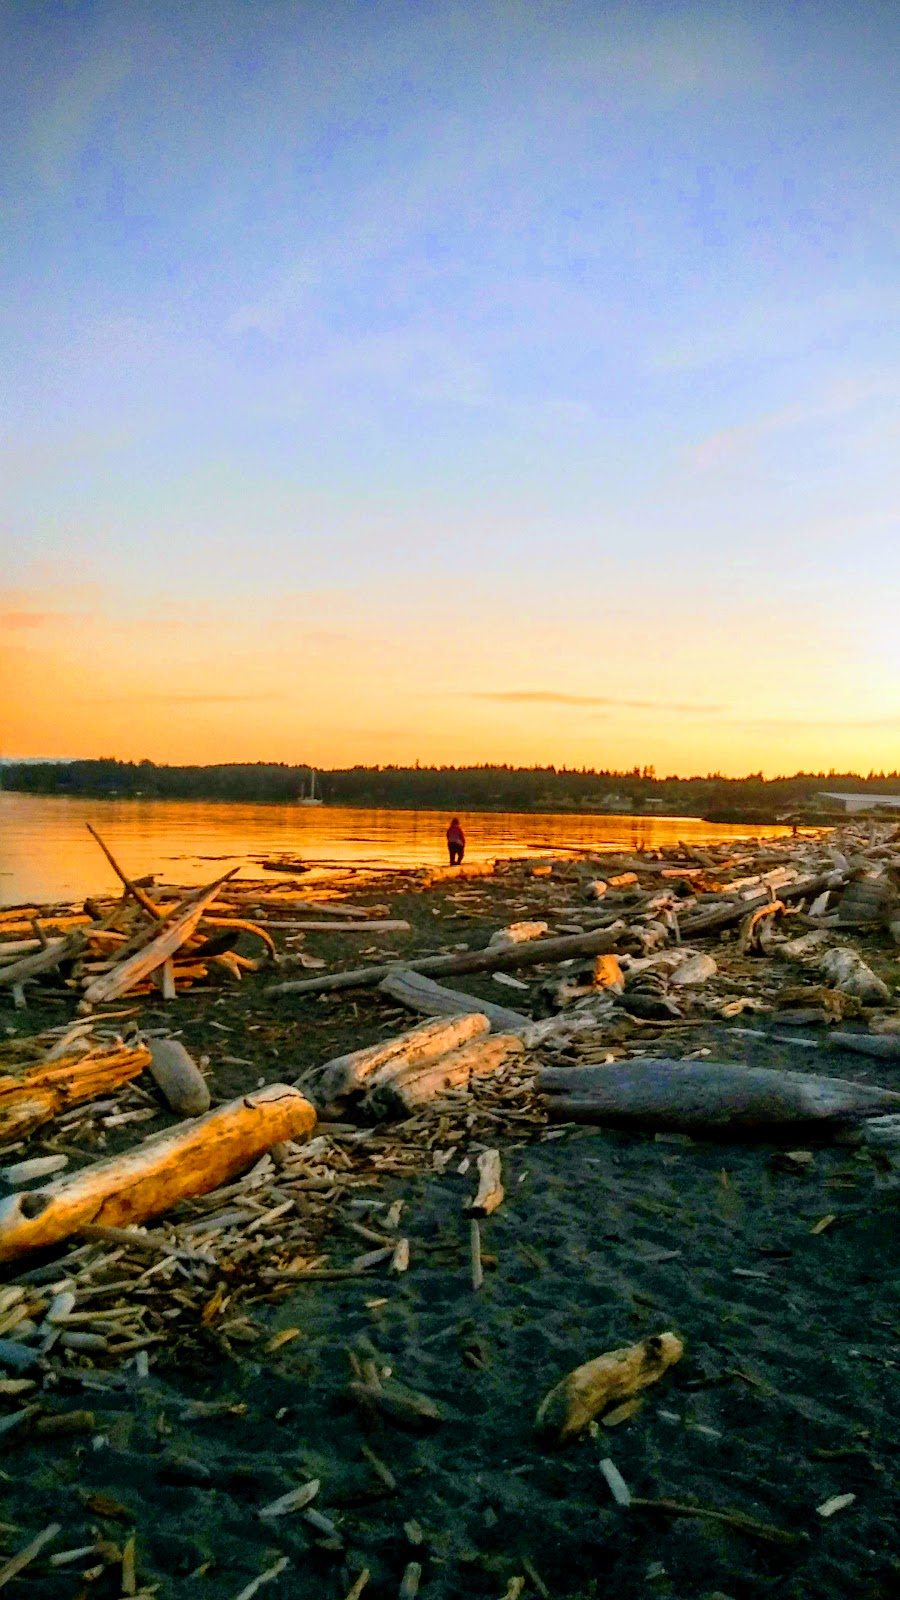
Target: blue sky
(433,355)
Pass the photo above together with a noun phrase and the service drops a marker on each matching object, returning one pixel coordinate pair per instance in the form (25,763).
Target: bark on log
(399,1091)
(57,951)
(175,932)
(188,1160)
(885,1045)
(44,1091)
(351,1073)
(519,955)
(178,1078)
(418,993)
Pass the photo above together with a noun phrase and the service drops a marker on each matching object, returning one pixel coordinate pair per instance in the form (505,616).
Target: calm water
(47,854)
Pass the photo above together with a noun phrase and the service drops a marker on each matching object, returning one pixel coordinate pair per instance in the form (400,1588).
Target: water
(47,854)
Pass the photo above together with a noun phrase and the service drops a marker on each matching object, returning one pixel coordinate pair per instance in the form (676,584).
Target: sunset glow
(509,383)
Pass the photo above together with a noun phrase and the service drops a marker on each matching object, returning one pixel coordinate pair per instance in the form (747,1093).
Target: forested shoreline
(476,788)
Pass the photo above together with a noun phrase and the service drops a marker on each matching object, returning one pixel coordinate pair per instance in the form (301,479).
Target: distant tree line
(482,788)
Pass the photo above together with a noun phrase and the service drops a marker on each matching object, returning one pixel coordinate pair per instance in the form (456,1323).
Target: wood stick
(490,960)
(418,993)
(130,887)
(16,1564)
(175,931)
(475,1254)
(732,1519)
(732,911)
(185,1161)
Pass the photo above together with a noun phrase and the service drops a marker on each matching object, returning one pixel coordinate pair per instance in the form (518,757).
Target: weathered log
(175,931)
(473,869)
(884,1045)
(694,1095)
(395,925)
(178,1078)
(724,916)
(56,952)
(572,1404)
(399,1091)
(44,1091)
(188,1160)
(489,960)
(418,993)
(846,970)
(351,1073)
(490,1184)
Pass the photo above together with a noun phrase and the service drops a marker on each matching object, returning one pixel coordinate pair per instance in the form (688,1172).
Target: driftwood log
(420,993)
(188,1160)
(490,960)
(692,1096)
(175,932)
(178,1078)
(726,914)
(587,1391)
(397,1091)
(352,1073)
(47,960)
(490,1184)
(43,1091)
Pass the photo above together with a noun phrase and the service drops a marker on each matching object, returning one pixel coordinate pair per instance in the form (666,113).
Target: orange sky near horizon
(333,679)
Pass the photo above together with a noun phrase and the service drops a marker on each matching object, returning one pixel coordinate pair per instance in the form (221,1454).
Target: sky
(499,380)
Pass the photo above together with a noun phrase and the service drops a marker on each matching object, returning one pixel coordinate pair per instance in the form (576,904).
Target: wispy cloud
(550,697)
(839,399)
(184,699)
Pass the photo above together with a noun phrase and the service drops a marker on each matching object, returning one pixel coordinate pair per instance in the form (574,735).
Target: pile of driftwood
(161,943)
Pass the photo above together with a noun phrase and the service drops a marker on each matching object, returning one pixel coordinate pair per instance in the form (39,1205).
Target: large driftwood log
(175,932)
(44,1091)
(712,918)
(188,1160)
(419,993)
(574,1402)
(397,1091)
(351,1073)
(47,960)
(473,869)
(490,960)
(691,1096)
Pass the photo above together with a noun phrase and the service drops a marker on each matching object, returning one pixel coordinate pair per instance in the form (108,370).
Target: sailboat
(311,799)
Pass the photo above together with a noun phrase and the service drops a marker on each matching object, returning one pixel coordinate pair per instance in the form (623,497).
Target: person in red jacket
(456,842)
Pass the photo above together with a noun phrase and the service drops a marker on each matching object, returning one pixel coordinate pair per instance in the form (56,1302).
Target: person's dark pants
(457,851)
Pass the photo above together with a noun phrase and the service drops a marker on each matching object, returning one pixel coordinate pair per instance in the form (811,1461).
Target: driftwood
(354,1072)
(725,915)
(846,970)
(517,933)
(475,869)
(131,888)
(44,1091)
(587,1391)
(175,932)
(397,1091)
(46,960)
(490,1184)
(884,1045)
(419,993)
(489,960)
(696,1095)
(178,1078)
(188,1160)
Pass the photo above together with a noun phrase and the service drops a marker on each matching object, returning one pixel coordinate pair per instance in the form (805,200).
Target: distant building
(860,802)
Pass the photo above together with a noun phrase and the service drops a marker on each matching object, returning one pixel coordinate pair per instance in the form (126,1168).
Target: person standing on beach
(456,843)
